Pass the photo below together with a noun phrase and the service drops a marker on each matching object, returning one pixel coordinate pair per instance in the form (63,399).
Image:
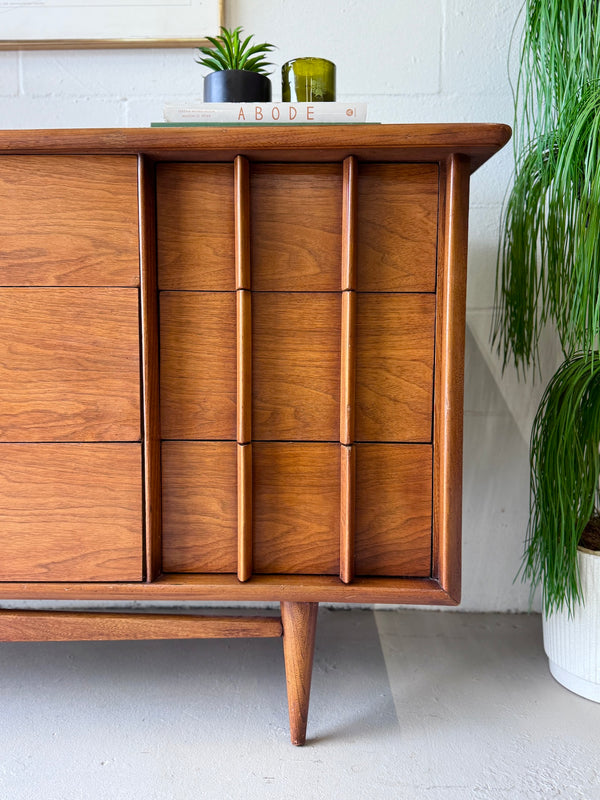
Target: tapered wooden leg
(299,629)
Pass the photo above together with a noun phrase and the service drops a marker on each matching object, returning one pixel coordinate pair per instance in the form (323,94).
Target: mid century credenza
(231,368)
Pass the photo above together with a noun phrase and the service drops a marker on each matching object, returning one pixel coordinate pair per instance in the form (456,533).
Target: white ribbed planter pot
(573,644)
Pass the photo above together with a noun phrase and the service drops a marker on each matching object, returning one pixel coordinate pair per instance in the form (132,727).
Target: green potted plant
(549,273)
(239,70)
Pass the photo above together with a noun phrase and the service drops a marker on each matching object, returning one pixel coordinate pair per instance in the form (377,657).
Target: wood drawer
(195,231)
(71,512)
(198,365)
(394,367)
(393,509)
(296,227)
(296,340)
(397,227)
(296,497)
(69,365)
(80,230)
(296,504)
(199,506)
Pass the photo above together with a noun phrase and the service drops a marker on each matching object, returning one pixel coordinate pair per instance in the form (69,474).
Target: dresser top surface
(369,142)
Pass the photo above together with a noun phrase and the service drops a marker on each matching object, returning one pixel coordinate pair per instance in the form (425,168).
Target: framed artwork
(66,24)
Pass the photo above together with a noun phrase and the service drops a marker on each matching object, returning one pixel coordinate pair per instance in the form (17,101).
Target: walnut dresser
(232,369)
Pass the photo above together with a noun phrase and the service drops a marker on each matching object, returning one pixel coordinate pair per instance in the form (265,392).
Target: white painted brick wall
(426,61)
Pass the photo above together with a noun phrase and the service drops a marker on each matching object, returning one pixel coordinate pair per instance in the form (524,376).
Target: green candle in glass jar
(308,80)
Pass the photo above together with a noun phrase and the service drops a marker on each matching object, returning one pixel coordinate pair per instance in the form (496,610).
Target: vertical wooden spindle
(241,180)
(347,476)
(348,367)
(150,382)
(244,496)
(244,365)
(349,217)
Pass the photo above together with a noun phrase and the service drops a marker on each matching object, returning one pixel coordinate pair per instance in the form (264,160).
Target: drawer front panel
(296,503)
(294,342)
(69,365)
(198,365)
(296,366)
(393,509)
(394,367)
(80,229)
(195,230)
(71,512)
(199,503)
(296,227)
(397,227)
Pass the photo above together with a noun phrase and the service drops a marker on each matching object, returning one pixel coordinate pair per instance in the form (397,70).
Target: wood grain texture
(348,369)
(420,142)
(244,365)
(450,338)
(150,369)
(198,386)
(349,223)
(347,512)
(262,588)
(299,622)
(296,366)
(394,367)
(69,365)
(69,221)
(393,509)
(397,227)
(199,506)
(241,175)
(48,626)
(244,517)
(374,144)
(296,222)
(71,512)
(195,215)
(296,491)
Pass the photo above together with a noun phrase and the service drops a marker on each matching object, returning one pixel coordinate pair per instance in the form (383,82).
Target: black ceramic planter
(237,86)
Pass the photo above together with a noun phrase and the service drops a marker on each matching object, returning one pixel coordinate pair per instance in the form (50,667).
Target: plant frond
(548,272)
(565,469)
(228,51)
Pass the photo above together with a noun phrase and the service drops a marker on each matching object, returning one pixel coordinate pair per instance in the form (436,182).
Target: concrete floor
(405,705)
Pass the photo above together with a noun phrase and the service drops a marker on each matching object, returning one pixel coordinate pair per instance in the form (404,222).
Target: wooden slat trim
(348,281)
(261,588)
(244,365)
(244,488)
(241,177)
(347,512)
(150,369)
(349,222)
(449,374)
(54,626)
(348,368)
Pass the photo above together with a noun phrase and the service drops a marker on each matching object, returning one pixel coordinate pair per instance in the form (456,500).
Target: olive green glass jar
(308,80)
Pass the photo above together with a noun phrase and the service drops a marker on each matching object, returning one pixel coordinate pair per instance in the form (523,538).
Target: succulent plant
(230,52)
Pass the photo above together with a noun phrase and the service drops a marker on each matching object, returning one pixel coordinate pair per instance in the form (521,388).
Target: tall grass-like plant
(549,273)
(549,266)
(565,463)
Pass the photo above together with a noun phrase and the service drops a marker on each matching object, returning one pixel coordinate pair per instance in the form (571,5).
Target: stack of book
(263,114)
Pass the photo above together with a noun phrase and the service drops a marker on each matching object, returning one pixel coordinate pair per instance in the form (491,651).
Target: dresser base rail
(297,625)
